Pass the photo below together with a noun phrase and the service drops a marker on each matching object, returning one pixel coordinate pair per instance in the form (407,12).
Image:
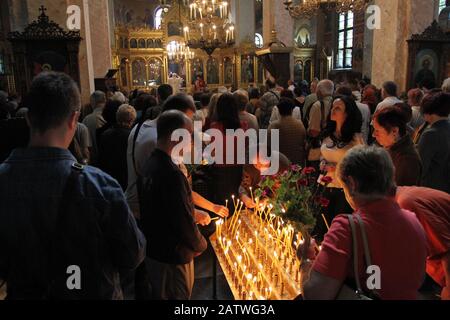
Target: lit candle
(201,29)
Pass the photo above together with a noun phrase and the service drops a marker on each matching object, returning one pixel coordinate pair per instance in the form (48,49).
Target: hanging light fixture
(210,25)
(350,5)
(179,51)
(308,8)
(302,9)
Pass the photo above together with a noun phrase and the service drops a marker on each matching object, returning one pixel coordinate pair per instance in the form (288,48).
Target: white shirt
(366,116)
(175,83)
(334,155)
(297,114)
(145,145)
(388,102)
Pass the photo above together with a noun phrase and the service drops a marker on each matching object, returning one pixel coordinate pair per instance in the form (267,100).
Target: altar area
(142,56)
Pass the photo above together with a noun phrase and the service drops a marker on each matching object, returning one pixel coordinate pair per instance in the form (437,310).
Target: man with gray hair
(95,121)
(446,85)
(242,100)
(317,118)
(396,240)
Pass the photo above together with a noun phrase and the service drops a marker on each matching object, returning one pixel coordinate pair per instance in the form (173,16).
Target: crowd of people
(97,184)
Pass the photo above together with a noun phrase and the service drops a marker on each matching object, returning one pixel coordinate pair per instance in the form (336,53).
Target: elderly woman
(390,130)
(434,144)
(396,239)
(415,97)
(113,145)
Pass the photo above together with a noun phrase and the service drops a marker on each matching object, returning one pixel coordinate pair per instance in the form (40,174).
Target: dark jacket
(167,213)
(112,152)
(407,163)
(96,226)
(434,149)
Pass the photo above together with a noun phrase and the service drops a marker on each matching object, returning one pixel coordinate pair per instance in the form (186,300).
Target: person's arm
(445,294)
(329,269)
(201,217)
(126,241)
(320,287)
(180,196)
(203,203)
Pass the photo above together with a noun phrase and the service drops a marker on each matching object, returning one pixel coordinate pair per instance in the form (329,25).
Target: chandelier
(308,8)
(304,9)
(179,51)
(350,5)
(210,26)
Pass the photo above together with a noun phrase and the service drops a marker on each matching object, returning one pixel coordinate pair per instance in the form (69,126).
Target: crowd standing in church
(324,125)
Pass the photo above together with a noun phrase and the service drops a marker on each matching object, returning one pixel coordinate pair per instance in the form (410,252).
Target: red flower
(308,170)
(324,202)
(302,182)
(326,180)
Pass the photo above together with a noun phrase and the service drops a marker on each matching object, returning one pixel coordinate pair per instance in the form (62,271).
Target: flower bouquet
(297,197)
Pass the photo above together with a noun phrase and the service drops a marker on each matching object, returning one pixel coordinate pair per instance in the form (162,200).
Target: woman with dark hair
(342,133)
(434,144)
(391,132)
(226,176)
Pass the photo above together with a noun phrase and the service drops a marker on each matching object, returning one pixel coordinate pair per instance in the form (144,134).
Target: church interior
(275,55)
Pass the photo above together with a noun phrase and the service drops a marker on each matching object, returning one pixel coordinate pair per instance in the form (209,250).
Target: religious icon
(426,67)
(197,69)
(228,71)
(247,69)
(138,71)
(298,71)
(154,72)
(213,71)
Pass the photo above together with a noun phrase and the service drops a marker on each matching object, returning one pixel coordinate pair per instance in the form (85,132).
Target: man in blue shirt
(66,231)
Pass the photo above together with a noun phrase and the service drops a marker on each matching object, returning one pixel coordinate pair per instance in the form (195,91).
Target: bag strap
(365,241)
(322,114)
(276,96)
(69,188)
(355,253)
(133,153)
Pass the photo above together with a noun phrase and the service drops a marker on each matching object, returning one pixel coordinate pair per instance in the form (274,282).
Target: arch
(197,69)
(298,71)
(212,74)
(259,42)
(133,44)
(158,43)
(150,43)
(228,70)
(158,17)
(308,70)
(303,36)
(139,72)
(142,44)
(155,71)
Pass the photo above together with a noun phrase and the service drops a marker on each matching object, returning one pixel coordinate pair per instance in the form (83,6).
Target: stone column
(399,20)
(278,18)
(243,16)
